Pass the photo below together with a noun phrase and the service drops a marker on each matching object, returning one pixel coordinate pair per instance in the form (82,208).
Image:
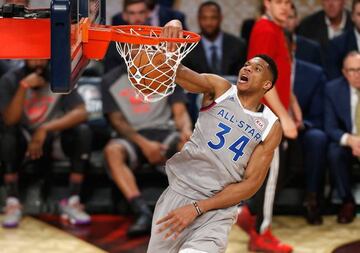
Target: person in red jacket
(267,37)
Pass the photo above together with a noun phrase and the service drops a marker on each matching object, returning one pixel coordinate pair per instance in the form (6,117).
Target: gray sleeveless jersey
(218,152)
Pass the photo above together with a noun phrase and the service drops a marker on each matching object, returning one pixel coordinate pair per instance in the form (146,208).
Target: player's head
(209,18)
(259,74)
(135,12)
(333,8)
(292,22)
(355,14)
(278,10)
(351,69)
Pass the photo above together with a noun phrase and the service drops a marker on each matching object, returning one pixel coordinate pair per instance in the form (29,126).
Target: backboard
(67,59)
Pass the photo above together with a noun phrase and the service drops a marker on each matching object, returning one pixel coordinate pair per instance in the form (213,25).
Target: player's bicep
(200,83)
(192,81)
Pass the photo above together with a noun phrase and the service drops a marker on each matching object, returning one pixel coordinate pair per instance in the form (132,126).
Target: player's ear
(267,86)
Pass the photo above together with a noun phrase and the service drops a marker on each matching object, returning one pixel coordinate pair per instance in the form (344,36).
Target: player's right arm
(177,220)
(189,79)
(201,83)
(254,177)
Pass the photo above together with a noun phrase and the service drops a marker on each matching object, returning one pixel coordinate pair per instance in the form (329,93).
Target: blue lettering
(252,132)
(221,113)
(226,116)
(247,127)
(257,136)
(232,119)
(241,124)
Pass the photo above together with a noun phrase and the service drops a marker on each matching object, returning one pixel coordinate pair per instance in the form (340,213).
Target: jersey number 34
(237,147)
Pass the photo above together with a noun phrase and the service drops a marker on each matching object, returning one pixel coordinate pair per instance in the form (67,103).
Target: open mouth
(244,79)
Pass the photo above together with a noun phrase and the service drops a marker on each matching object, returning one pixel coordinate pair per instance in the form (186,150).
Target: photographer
(33,117)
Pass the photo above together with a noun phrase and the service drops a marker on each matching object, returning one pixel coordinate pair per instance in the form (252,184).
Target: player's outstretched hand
(177,220)
(172,29)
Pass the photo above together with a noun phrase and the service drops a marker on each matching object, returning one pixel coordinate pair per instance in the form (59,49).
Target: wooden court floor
(107,234)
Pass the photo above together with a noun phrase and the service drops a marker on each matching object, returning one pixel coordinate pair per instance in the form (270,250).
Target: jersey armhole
(227,93)
(272,118)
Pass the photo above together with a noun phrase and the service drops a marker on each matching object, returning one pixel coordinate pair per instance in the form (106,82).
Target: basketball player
(225,161)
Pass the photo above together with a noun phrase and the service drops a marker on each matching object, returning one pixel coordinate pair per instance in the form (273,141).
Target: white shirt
(353,102)
(357,37)
(339,30)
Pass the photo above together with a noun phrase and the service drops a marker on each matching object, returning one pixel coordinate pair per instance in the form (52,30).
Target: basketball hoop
(151,66)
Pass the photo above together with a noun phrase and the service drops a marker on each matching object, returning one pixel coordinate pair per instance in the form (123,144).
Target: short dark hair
(272,67)
(209,3)
(354,3)
(131,2)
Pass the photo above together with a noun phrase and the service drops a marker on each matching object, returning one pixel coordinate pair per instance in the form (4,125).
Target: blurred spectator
(326,24)
(218,52)
(145,134)
(342,124)
(136,12)
(248,24)
(340,46)
(267,37)
(34,116)
(306,50)
(308,82)
(159,15)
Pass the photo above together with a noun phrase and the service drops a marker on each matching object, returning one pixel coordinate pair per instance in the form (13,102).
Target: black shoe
(142,226)
(347,213)
(313,214)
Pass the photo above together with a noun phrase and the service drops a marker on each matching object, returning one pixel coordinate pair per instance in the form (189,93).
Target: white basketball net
(159,82)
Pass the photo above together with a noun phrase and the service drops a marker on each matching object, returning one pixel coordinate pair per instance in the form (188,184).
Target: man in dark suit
(342,124)
(159,14)
(340,46)
(217,52)
(309,83)
(327,23)
(306,49)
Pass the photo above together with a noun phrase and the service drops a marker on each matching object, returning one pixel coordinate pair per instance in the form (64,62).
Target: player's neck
(250,102)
